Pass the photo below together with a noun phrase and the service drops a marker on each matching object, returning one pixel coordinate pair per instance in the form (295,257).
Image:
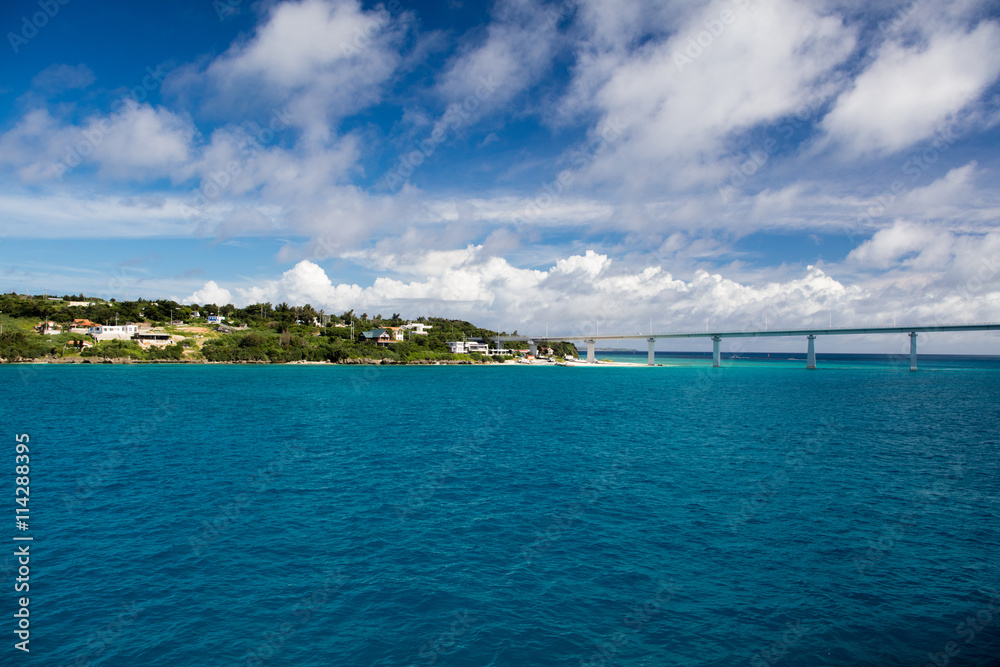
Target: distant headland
(81,329)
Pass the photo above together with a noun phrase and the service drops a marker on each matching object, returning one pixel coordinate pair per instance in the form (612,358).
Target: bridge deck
(768,332)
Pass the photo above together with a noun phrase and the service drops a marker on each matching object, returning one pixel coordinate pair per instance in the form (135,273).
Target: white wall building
(467,347)
(113,332)
(48,328)
(418,328)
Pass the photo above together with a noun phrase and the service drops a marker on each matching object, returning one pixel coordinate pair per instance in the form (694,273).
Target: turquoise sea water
(758,514)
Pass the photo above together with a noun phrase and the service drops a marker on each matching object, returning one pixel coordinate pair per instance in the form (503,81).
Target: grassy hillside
(257,333)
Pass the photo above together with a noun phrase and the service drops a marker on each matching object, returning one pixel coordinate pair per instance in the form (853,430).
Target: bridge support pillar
(716,357)
(811,354)
(533,348)
(591,357)
(652,351)
(913,350)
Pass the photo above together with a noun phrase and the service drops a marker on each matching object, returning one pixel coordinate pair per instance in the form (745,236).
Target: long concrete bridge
(717,337)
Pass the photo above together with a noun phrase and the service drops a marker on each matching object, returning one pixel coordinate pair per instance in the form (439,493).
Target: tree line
(276,333)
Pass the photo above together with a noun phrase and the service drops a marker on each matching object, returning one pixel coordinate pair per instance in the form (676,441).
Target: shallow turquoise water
(296,515)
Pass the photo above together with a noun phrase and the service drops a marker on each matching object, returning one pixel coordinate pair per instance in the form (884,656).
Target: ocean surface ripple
(304,515)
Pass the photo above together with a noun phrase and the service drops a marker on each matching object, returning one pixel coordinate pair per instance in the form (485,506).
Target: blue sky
(588,162)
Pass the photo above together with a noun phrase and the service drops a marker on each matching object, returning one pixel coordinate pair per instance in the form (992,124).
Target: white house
(467,347)
(418,328)
(113,332)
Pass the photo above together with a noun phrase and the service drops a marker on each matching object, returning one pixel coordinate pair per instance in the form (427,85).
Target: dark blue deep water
(759,514)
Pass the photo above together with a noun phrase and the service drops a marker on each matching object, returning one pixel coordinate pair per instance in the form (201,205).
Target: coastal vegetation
(257,333)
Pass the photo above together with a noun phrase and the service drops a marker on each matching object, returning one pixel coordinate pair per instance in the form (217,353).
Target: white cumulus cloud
(590,293)
(210,293)
(911,90)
